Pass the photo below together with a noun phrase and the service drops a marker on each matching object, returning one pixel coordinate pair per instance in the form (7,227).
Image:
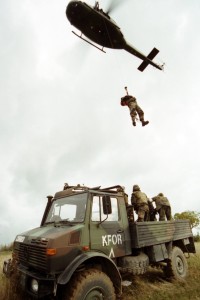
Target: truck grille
(33,255)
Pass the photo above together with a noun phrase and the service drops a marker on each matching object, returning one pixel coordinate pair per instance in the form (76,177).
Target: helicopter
(99,28)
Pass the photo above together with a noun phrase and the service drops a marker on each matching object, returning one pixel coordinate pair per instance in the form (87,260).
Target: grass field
(151,286)
(4,283)
(154,286)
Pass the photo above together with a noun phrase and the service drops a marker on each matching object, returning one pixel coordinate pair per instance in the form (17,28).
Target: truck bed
(153,233)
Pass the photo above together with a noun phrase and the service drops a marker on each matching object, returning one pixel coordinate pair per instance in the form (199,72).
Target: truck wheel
(90,285)
(177,267)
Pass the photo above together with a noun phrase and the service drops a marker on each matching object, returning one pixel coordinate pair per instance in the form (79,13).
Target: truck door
(106,230)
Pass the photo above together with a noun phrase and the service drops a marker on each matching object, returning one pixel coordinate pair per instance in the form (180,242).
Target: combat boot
(144,123)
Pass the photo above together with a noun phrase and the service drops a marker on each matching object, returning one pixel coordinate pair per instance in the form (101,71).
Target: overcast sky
(61,119)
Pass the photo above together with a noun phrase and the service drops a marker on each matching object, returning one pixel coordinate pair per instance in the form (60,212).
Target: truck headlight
(34,286)
(7,267)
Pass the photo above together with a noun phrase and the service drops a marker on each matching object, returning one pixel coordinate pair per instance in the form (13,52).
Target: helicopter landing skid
(80,36)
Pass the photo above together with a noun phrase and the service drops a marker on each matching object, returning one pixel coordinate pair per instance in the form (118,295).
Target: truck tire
(177,266)
(90,284)
(135,265)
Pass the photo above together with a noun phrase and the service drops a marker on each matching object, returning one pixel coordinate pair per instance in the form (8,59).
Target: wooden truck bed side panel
(152,233)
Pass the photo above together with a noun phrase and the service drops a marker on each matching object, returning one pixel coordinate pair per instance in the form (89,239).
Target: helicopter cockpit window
(97,210)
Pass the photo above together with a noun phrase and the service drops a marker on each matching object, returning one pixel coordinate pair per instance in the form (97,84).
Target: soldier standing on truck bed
(139,201)
(129,208)
(163,207)
(134,108)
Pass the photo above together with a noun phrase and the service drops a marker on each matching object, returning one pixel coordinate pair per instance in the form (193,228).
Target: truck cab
(86,241)
(80,227)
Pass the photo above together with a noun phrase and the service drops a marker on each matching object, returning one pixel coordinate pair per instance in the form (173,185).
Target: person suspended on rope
(134,108)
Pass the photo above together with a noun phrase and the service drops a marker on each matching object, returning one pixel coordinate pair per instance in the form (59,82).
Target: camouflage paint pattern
(153,233)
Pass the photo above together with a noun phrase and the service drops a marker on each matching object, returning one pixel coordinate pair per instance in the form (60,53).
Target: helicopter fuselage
(99,28)
(95,25)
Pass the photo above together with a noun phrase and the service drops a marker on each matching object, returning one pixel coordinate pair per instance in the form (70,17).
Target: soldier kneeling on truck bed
(139,201)
(163,207)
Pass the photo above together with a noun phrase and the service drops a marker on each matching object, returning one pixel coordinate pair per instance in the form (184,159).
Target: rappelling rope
(118,64)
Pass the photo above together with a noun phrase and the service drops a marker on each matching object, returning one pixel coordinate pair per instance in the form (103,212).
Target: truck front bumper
(36,284)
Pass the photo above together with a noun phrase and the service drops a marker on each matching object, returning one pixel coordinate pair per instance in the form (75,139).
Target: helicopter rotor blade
(113,5)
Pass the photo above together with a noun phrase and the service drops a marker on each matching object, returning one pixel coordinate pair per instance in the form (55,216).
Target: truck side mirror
(107,208)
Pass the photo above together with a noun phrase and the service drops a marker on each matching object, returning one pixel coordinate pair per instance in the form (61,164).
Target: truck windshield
(68,209)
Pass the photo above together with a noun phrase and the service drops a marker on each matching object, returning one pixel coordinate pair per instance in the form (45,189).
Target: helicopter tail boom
(148,61)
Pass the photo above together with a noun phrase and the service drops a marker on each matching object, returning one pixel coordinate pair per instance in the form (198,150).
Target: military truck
(87,241)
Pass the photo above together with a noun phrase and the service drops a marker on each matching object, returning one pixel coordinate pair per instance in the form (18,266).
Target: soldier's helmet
(136,188)
(160,194)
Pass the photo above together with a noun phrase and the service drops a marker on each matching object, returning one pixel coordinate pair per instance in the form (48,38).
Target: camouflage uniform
(129,208)
(134,108)
(139,201)
(152,212)
(163,207)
